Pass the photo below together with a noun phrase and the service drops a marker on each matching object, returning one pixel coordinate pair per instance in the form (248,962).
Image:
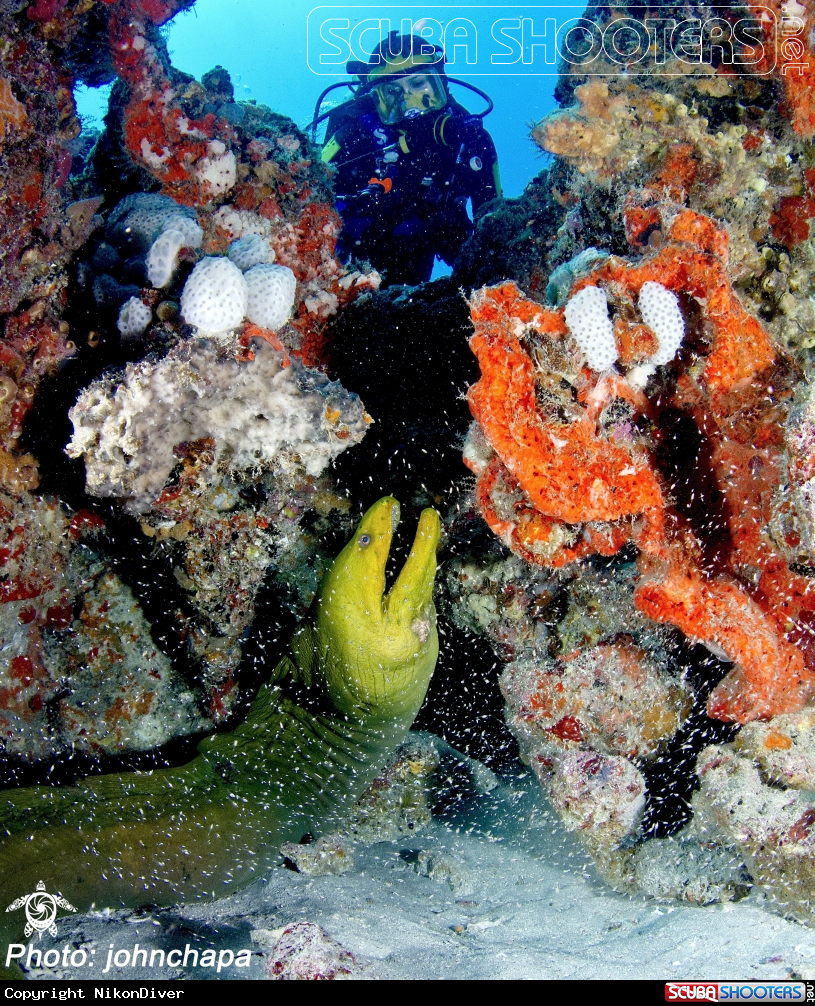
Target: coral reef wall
(645,342)
(188,375)
(129,576)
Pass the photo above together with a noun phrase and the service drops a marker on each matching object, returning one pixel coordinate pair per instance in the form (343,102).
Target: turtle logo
(40,910)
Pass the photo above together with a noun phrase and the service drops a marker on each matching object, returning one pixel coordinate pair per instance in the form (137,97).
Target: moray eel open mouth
(390,638)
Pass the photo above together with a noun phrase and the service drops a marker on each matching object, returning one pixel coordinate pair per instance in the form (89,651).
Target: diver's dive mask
(408,95)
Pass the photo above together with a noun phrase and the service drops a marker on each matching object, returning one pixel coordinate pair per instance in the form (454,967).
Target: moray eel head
(377,650)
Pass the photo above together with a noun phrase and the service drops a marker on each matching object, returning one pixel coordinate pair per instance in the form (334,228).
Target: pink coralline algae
(601,797)
(587,723)
(611,697)
(81,671)
(35,345)
(44,10)
(772,827)
(34,157)
(34,597)
(305,952)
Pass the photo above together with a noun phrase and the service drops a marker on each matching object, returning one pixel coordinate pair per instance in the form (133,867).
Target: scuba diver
(408,158)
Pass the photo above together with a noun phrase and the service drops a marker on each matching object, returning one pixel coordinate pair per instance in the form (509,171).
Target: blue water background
(264,46)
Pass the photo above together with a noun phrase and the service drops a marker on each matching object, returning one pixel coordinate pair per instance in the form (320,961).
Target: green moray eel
(316,736)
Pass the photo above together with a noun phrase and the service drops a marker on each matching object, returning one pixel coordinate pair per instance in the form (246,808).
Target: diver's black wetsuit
(426,169)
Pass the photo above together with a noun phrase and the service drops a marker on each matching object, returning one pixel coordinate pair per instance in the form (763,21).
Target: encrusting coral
(767,816)
(305,952)
(33,598)
(650,144)
(566,470)
(228,171)
(650,409)
(288,769)
(164,268)
(81,672)
(13,115)
(242,182)
(797,71)
(235,424)
(260,414)
(613,696)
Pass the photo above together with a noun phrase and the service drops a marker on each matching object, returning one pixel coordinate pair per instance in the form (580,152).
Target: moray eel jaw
(378,650)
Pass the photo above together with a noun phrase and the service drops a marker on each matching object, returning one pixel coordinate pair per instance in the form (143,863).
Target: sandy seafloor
(526,904)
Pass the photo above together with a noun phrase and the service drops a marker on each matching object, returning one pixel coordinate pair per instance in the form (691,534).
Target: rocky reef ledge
(609,401)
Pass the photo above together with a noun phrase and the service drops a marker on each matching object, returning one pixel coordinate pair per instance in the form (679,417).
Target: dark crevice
(404,351)
(148,571)
(684,458)
(67,768)
(464,705)
(671,777)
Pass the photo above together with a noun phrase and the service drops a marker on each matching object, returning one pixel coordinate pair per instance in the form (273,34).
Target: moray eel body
(315,737)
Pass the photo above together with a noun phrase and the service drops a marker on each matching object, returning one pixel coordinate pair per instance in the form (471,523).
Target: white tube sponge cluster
(218,296)
(261,415)
(660,310)
(190,229)
(250,250)
(271,295)
(588,320)
(134,318)
(215,297)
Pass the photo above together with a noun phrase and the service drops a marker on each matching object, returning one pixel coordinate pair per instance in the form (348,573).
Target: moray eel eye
(364,540)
